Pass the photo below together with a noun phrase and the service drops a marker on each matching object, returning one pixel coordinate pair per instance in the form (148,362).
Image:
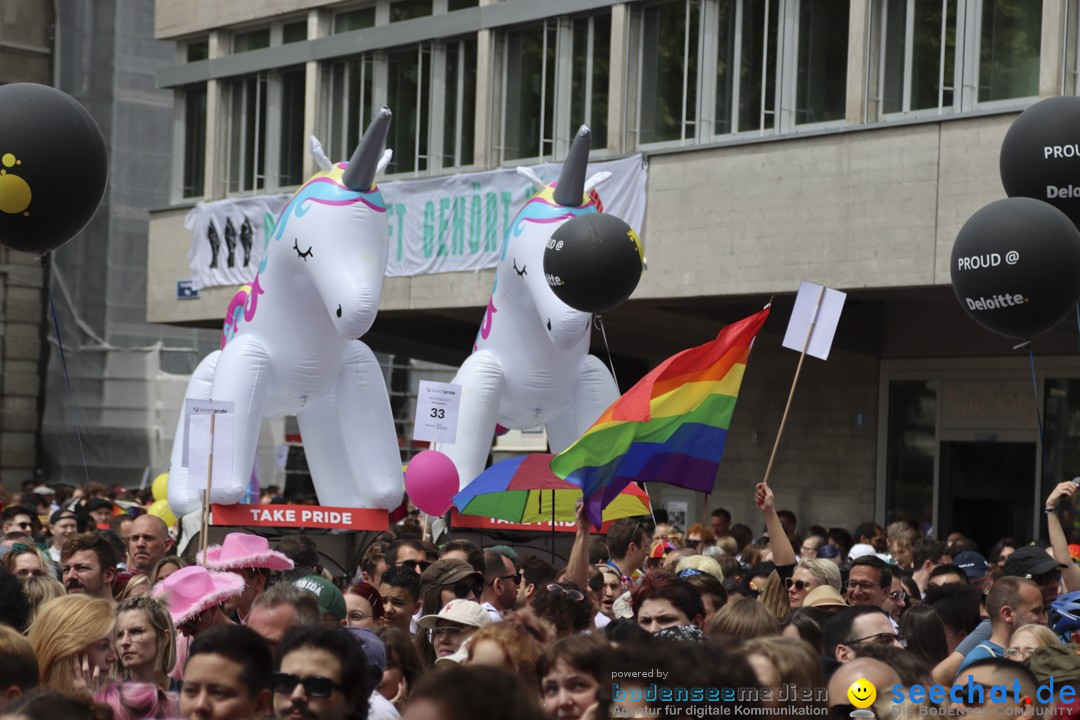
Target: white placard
(199,439)
(195,407)
(282,458)
(824,317)
(437,412)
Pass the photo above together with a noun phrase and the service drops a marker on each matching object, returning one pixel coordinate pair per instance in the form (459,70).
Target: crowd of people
(100,618)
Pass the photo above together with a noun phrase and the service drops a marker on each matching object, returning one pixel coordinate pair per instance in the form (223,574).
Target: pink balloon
(431,480)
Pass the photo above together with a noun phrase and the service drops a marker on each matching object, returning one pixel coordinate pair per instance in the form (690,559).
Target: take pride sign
(299,516)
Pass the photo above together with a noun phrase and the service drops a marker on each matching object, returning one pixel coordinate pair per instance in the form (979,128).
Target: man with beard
(321,675)
(501,582)
(1011,602)
(88,566)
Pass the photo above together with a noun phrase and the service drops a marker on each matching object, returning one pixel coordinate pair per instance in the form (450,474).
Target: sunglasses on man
(315,686)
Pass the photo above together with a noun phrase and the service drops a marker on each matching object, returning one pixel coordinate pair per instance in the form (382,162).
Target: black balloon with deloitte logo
(1040,155)
(1016,267)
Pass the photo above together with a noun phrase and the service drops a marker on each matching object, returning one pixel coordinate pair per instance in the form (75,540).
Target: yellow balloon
(160,509)
(160,487)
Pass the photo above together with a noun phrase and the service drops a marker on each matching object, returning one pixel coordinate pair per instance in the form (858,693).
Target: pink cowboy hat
(244,550)
(193,589)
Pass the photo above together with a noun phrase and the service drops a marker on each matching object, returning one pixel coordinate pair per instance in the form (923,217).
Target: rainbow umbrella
(524,490)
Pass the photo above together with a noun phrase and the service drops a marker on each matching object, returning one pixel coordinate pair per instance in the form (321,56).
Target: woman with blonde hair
(1026,639)
(72,637)
(781,662)
(145,641)
(39,590)
(809,575)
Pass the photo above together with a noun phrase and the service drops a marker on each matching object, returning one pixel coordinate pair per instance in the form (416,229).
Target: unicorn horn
(365,159)
(571,187)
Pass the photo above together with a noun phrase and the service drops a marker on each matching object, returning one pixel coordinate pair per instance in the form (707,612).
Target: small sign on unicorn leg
(437,412)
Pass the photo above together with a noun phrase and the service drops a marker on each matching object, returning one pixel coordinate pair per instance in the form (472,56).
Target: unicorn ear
(384,161)
(365,159)
(596,179)
(571,187)
(319,156)
(533,177)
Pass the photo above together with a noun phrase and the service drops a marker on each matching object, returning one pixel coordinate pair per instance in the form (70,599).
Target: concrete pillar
(620,47)
(216,125)
(1052,61)
(858,25)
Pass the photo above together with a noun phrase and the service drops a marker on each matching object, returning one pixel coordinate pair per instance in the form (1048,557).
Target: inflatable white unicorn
(290,343)
(530,365)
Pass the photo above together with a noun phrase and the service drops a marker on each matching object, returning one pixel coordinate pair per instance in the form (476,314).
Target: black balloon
(593,262)
(1040,155)
(53,167)
(1016,267)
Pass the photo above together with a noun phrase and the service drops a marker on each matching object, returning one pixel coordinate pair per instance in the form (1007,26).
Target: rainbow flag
(670,427)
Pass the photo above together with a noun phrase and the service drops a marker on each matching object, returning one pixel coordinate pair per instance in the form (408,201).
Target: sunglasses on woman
(462,588)
(799,585)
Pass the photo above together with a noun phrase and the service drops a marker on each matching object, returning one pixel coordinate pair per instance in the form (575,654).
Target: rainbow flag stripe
(670,427)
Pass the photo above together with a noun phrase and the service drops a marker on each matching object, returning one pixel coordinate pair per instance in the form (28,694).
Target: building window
(196,51)
(352,84)
(265,134)
(251,40)
(779,65)
(459,104)
(431,89)
(410,9)
(530,91)
(555,78)
(294,32)
(354,19)
(589,72)
(409,88)
(940,56)
(193,102)
(669,67)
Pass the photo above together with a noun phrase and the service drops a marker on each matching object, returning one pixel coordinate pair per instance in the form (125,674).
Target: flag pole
(795,380)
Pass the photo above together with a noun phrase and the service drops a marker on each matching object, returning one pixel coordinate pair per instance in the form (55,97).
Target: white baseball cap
(466,612)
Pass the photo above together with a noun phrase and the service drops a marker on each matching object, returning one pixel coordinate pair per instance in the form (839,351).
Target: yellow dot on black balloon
(8,159)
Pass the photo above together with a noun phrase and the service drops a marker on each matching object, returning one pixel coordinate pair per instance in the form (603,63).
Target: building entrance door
(985,490)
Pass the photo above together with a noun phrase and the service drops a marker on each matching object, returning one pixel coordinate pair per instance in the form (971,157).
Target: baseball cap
(374,649)
(43,490)
(859,550)
(1056,662)
(61,514)
(972,563)
(828,551)
(331,601)
(97,504)
(466,612)
(1030,561)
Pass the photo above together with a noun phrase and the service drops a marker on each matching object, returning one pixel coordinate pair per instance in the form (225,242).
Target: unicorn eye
(303,255)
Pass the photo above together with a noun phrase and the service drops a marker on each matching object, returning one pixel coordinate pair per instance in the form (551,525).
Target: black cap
(61,514)
(1029,561)
(97,504)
